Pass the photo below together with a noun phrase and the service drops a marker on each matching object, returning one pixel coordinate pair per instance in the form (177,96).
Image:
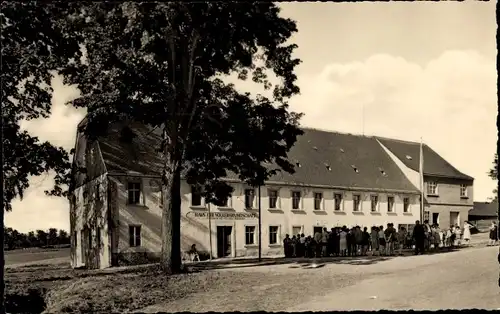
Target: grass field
(35,255)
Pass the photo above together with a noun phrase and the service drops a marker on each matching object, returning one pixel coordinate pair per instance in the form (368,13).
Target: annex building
(340,179)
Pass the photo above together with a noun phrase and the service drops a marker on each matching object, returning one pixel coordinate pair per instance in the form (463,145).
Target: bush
(31,302)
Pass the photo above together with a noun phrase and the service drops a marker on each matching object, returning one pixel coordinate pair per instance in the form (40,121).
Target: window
(273,235)
(134,235)
(463,190)
(75,235)
(98,236)
(134,192)
(89,233)
(338,201)
(426,215)
(249,197)
(374,200)
(295,200)
(249,235)
(195,196)
(432,188)
(296,230)
(355,202)
(85,198)
(318,197)
(225,202)
(390,204)
(97,192)
(273,198)
(406,205)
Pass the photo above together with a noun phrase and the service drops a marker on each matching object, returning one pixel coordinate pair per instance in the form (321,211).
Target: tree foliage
(161,64)
(33,44)
(493,173)
(18,240)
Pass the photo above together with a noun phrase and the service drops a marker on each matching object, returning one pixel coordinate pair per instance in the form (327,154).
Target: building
(483,214)
(340,179)
(448,192)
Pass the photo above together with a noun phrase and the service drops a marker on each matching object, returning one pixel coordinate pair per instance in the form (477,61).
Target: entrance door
(435,218)
(224,241)
(317,229)
(454,218)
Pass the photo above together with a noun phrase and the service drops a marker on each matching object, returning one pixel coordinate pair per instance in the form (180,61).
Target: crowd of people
(357,241)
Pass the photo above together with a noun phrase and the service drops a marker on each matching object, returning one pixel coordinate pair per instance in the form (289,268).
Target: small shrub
(31,302)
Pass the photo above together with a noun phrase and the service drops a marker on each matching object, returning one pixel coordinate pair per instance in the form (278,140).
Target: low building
(483,214)
(340,179)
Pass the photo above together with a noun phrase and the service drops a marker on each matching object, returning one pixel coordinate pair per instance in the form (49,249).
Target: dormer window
(355,169)
(408,157)
(328,167)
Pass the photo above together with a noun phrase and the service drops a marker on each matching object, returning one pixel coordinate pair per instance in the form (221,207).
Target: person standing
(466,233)
(374,240)
(381,240)
(317,243)
(458,233)
(493,234)
(365,242)
(389,240)
(324,243)
(358,235)
(419,237)
(302,245)
(343,241)
(401,236)
(428,235)
(286,245)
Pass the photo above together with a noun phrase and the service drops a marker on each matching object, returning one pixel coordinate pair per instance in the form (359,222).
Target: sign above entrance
(217,215)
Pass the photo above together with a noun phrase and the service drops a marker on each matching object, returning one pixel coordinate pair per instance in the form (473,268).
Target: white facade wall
(285,218)
(84,210)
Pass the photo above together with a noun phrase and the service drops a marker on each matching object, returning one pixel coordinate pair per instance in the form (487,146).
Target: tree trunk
(2,262)
(170,260)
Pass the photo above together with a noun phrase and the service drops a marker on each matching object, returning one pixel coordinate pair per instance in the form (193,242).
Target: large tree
(32,44)
(162,63)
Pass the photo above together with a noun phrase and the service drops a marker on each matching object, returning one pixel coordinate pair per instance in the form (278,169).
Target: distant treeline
(39,238)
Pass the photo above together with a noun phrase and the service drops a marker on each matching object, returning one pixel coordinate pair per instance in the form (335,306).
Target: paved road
(463,279)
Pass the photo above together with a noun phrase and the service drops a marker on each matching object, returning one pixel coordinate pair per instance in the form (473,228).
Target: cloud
(450,102)
(60,127)
(37,211)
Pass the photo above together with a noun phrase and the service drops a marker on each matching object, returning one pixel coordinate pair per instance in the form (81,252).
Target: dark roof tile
(484,209)
(325,158)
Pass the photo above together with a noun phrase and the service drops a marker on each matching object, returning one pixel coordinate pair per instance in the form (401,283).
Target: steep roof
(325,158)
(484,209)
(434,164)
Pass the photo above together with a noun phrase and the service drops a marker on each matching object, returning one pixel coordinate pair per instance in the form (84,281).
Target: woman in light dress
(343,241)
(466,233)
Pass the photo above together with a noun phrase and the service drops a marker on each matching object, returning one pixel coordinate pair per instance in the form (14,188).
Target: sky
(405,70)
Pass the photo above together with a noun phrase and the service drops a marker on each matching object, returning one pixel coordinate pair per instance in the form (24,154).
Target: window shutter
(279,234)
